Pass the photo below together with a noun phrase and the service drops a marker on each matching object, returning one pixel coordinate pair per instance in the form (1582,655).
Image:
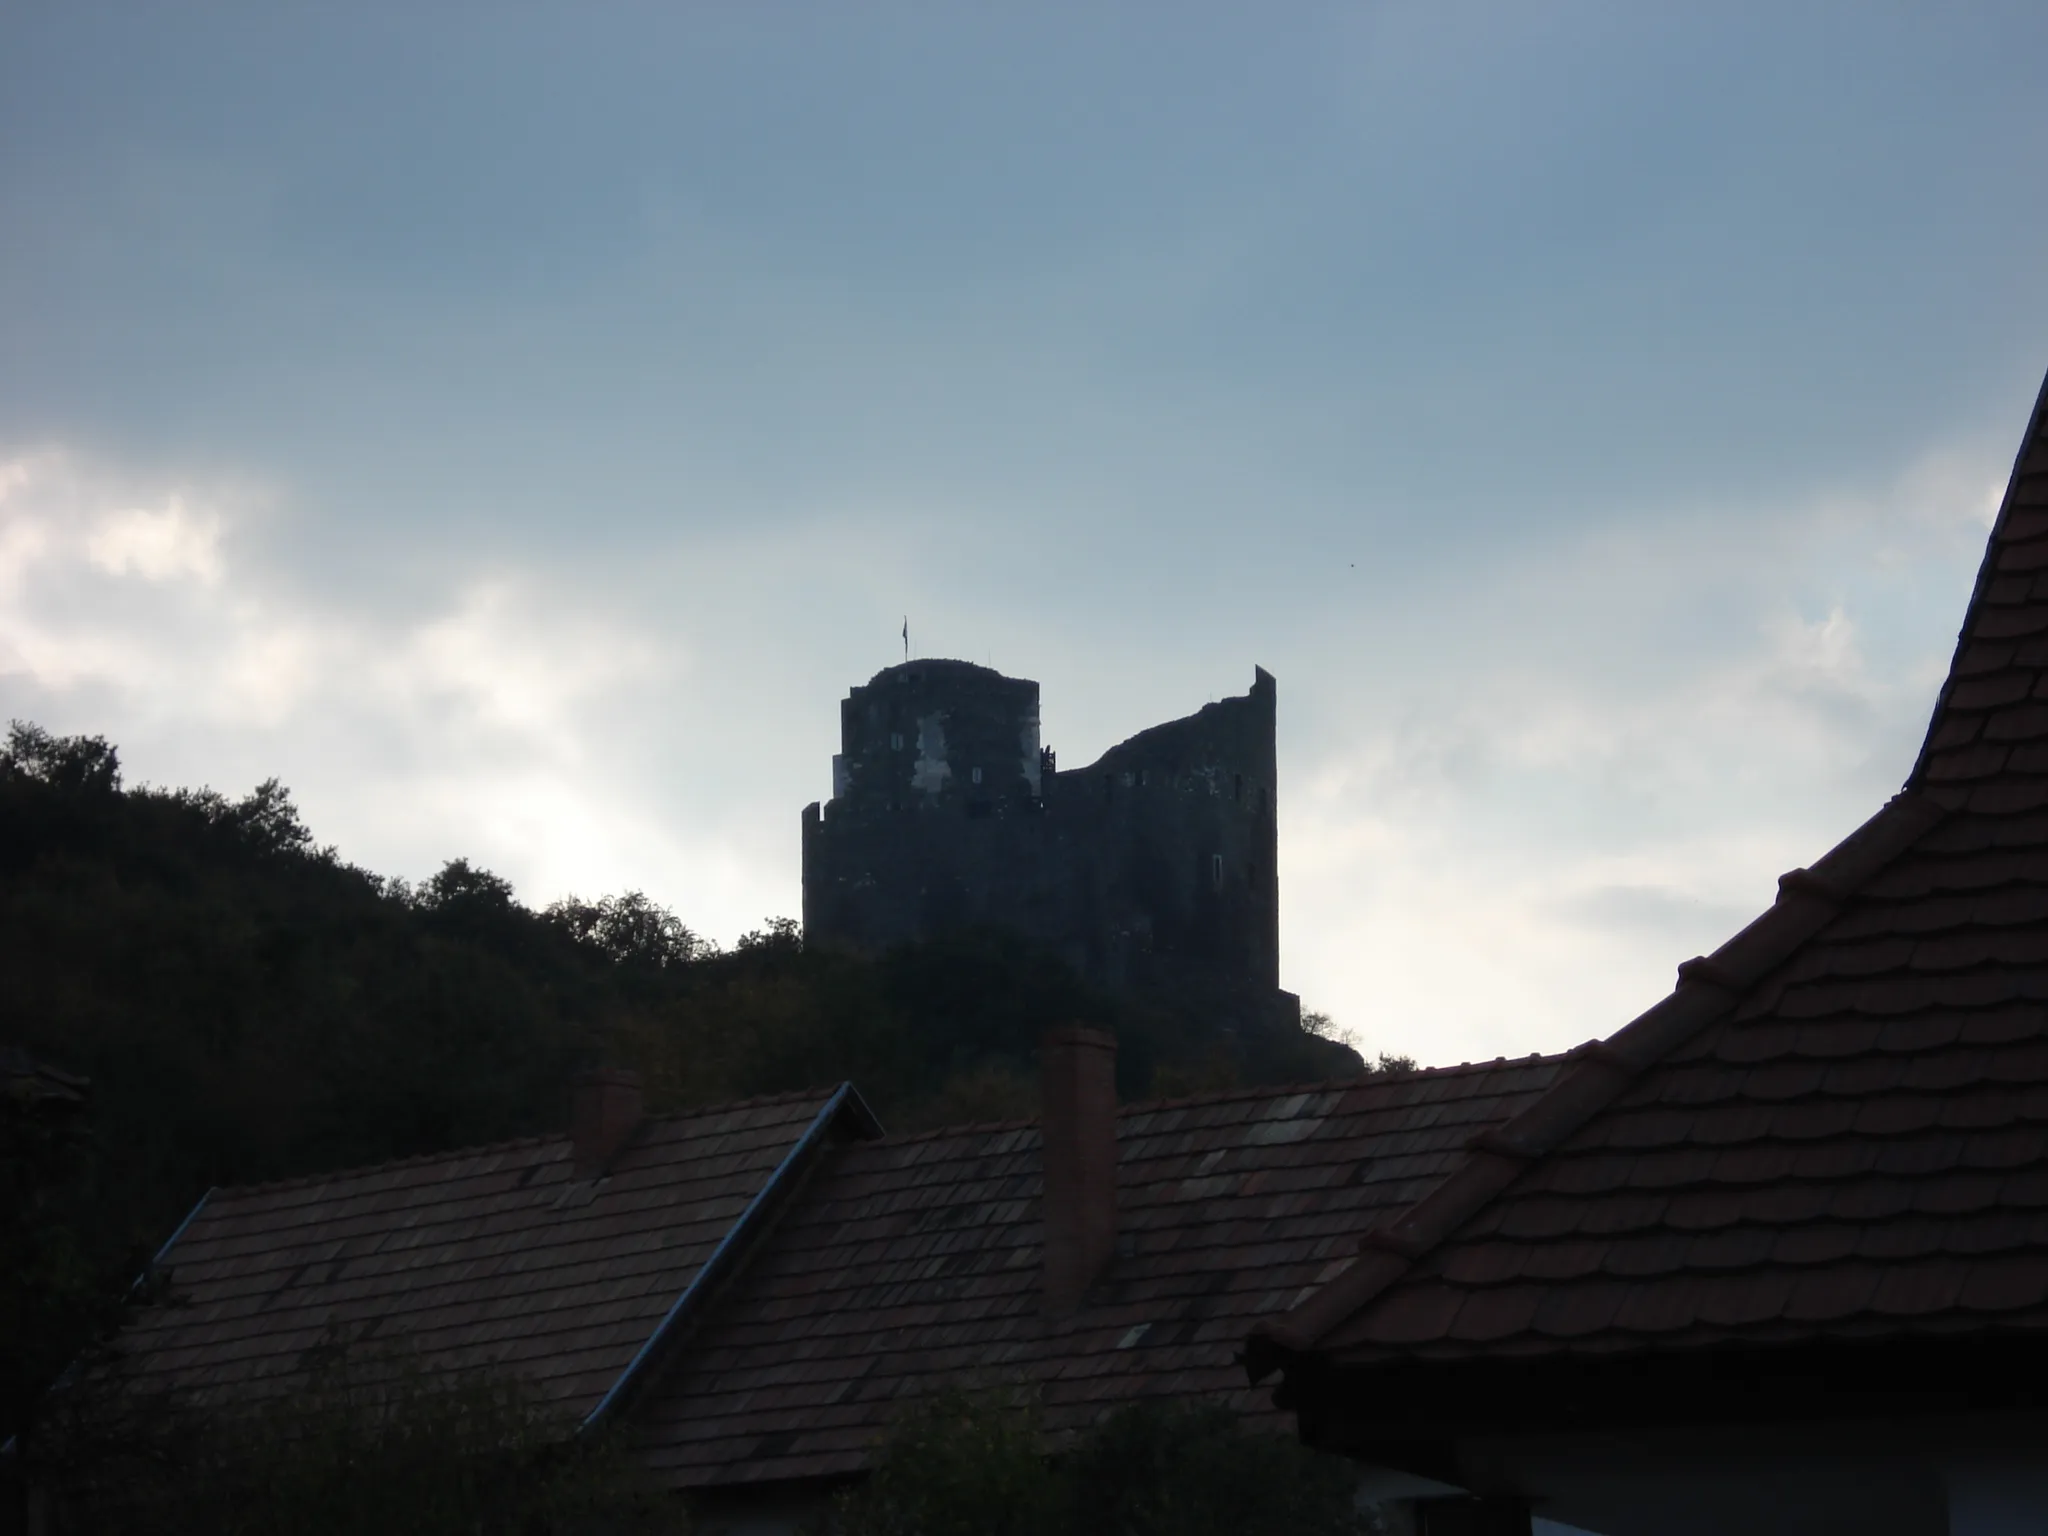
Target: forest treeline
(247,1006)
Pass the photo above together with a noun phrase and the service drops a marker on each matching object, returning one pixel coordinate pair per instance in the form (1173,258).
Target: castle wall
(1158,862)
(1182,823)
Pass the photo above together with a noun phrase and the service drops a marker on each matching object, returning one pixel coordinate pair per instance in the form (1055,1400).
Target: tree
(1323,1027)
(361,1443)
(77,764)
(777,935)
(265,821)
(1166,1468)
(460,886)
(959,1463)
(968,1462)
(52,1294)
(629,929)
(1315,1022)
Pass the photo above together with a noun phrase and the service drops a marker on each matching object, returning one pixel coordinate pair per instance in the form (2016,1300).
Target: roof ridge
(1708,988)
(1227,1095)
(360,1170)
(1334,1084)
(510,1143)
(819,1091)
(962,1128)
(2035,439)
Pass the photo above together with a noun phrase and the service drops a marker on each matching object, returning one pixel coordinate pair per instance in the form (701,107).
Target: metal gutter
(713,1268)
(157,1258)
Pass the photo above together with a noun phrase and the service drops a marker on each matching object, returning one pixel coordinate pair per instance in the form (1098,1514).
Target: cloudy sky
(515,427)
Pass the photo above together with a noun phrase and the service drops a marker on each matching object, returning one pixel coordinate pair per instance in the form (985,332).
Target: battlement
(1157,863)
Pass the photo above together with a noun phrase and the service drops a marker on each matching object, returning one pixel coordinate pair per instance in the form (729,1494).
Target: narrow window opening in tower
(1237,786)
(895,741)
(977,775)
(1216,870)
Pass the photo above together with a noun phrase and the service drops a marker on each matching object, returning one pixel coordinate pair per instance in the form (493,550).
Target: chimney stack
(1079,1067)
(608,1107)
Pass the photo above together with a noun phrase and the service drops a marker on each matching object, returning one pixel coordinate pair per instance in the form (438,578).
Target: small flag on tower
(906,637)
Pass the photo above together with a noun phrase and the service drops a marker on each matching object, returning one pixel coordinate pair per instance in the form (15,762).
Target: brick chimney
(608,1107)
(1079,1068)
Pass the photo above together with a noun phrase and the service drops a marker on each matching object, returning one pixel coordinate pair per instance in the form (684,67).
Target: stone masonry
(1156,865)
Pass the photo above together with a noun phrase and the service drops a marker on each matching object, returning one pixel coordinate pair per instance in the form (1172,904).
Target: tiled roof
(490,1257)
(1836,1126)
(912,1261)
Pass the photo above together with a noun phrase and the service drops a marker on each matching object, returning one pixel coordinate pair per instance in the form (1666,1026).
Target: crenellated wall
(1156,864)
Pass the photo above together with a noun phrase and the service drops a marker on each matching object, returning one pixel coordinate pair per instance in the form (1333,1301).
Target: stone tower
(1156,865)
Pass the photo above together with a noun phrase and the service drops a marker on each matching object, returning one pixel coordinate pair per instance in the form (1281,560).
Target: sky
(516,426)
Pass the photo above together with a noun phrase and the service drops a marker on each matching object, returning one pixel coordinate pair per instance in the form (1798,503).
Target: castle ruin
(1154,867)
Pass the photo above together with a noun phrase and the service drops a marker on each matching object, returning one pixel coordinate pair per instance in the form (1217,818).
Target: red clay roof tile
(1963,1192)
(1917,1290)
(1816,1243)
(1744,1300)
(1496,1314)
(1909,1239)
(1643,1254)
(1838,1291)
(1571,1312)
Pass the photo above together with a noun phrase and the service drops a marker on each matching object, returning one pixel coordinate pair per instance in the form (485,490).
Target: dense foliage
(367,1444)
(248,1006)
(974,1463)
(957,1464)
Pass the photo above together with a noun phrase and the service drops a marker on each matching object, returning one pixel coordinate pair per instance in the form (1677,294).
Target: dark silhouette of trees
(71,764)
(976,1463)
(629,929)
(368,1443)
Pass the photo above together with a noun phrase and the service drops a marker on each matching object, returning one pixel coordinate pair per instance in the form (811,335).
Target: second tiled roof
(912,1262)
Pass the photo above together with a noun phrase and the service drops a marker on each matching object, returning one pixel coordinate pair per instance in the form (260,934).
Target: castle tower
(1156,865)
(938,737)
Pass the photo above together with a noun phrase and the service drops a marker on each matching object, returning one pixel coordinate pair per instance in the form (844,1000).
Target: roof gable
(1836,1124)
(1988,739)
(487,1258)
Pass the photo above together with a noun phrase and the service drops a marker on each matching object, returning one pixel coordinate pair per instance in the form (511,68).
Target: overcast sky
(516,426)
